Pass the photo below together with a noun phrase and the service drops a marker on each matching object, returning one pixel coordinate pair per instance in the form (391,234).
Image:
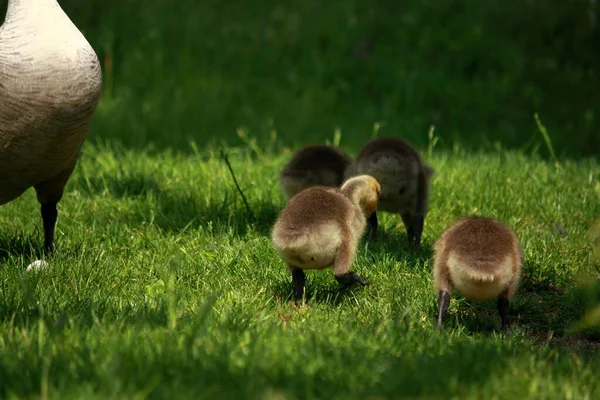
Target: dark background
(177,71)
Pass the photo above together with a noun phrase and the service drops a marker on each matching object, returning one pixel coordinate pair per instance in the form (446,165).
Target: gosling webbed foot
(350,278)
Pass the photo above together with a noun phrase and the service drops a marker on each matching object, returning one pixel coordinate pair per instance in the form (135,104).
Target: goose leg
(49,194)
(372,224)
(49,217)
(443,303)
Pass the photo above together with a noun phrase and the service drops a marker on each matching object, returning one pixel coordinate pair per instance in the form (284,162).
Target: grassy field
(478,71)
(165,285)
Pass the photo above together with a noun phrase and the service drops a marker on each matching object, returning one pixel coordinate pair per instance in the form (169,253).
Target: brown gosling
(316,165)
(321,227)
(404,180)
(479,257)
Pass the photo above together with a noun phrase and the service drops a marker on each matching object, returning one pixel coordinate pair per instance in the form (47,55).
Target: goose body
(50,83)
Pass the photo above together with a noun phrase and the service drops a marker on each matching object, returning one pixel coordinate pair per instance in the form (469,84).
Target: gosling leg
(341,267)
(443,303)
(372,224)
(407,220)
(417,230)
(414,228)
(299,281)
(503,306)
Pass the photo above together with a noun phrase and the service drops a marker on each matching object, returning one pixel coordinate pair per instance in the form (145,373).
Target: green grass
(477,70)
(164,286)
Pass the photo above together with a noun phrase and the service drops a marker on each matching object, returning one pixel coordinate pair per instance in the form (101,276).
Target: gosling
(480,258)
(317,165)
(404,179)
(321,227)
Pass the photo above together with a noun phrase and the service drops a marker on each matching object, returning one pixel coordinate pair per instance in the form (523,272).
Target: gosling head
(363,190)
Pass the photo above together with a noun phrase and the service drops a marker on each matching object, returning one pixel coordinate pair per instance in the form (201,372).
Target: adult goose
(50,83)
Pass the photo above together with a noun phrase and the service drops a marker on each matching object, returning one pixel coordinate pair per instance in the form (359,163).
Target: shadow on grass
(129,184)
(30,246)
(176,212)
(534,312)
(475,316)
(219,371)
(316,290)
(396,246)
(540,311)
(25,312)
(393,241)
(536,279)
(321,286)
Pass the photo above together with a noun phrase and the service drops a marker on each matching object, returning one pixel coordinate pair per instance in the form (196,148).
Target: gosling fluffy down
(317,165)
(479,257)
(404,179)
(321,227)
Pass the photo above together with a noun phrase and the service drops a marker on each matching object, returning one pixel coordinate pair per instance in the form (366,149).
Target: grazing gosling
(404,180)
(317,165)
(479,257)
(321,227)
